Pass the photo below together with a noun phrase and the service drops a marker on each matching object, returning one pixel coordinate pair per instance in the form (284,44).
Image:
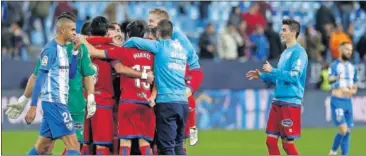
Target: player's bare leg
(125,147)
(49,152)
(272,145)
(289,146)
(342,132)
(42,146)
(145,148)
(72,145)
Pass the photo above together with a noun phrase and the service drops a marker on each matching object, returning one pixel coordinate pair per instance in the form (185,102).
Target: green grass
(313,141)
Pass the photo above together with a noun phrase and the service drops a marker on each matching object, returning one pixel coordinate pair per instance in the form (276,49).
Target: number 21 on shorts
(67,117)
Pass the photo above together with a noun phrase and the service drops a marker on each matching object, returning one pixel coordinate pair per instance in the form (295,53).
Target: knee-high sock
(290,148)
(337,141)
(272,146)
(345,144)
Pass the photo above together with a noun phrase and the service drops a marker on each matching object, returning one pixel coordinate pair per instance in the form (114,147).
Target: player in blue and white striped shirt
(52,85)
(343,78)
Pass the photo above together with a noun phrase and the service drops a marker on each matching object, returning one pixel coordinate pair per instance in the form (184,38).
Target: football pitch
(217,142)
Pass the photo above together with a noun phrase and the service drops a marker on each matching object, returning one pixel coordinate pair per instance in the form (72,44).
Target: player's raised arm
(94,52)
(143,44)
(187,45)
(298,62)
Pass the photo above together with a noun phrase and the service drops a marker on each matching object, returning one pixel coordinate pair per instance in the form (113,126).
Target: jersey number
(339,112)
(138,82)
(67,117)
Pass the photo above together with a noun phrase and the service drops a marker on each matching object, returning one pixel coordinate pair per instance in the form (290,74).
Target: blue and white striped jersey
(55,62)
(347,72)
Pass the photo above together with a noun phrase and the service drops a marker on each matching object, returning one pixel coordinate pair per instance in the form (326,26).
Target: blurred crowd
(247,35)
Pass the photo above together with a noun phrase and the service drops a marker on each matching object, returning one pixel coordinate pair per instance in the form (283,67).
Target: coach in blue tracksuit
(171,102)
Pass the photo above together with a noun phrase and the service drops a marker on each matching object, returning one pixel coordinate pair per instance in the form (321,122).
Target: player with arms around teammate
(53,80)
(289,77)
(193,79)
(136,119)
(194,71)
(344,78)
(102,121)
(171,100)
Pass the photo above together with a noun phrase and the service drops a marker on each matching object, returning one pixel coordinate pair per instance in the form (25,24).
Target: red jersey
(193,78)
(133,90)
(104,93)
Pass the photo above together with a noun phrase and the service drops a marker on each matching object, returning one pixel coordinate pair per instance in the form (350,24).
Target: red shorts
(284,121)
(136,121)
(101,126)
(191,118)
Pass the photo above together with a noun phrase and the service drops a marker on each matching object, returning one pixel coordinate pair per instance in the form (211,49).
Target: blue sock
(337,141)
(33,151)
(345,144)
(72,152)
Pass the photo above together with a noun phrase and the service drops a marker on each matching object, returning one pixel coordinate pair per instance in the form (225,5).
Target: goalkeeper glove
(91,106)
(16,109)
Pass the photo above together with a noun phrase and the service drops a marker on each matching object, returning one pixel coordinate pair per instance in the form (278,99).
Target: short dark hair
(136,28)
(99,26)
(293,25)
(165,27)
(67,15)
(85,28)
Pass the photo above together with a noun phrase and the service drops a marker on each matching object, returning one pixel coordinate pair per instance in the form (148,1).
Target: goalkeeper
(76,101)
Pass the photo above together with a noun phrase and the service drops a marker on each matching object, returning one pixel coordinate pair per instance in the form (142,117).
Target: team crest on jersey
(44,61)
(287,123)
(69,126)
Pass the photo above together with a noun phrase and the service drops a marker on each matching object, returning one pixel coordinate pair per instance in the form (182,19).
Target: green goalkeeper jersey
(77,102)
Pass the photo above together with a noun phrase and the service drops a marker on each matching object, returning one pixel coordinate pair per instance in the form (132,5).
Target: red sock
(102,151)
(192,113)
(272,146)
(290,148)
(85,150)
(124,150)
(185,150)
(64,152)
(146,150)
